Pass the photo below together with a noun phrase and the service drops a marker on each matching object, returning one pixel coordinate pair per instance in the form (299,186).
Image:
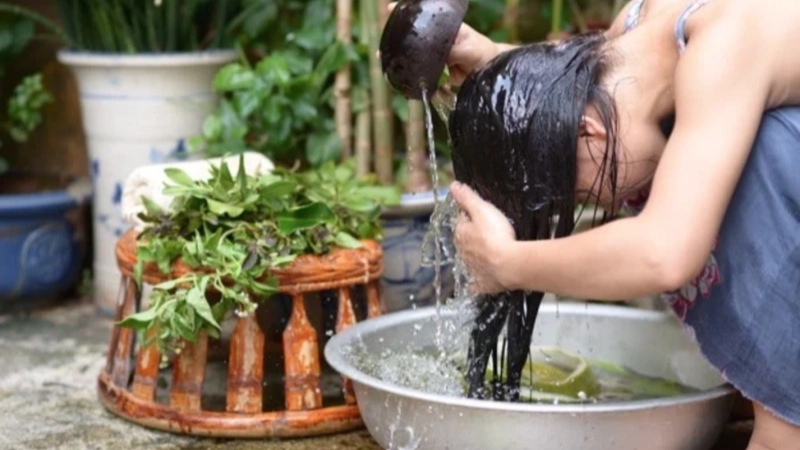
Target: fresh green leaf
(304,217)
(197,300)
(151,207)
(323,147)
(179,176)
(346,240)
(139,321)
(234,77)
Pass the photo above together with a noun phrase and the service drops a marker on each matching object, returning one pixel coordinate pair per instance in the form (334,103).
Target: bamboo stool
(127,385)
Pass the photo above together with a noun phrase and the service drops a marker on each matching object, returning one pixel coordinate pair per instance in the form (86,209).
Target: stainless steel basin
(649,342)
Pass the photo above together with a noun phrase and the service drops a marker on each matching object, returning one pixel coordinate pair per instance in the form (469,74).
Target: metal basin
(649,342)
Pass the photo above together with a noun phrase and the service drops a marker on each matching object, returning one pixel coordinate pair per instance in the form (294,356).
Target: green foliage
(14,37)
(148,26)
(486,16)
(282,105)
(28,98)
(235,228)
(25,105)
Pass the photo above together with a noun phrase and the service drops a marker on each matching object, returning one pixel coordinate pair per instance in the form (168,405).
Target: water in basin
(551,376)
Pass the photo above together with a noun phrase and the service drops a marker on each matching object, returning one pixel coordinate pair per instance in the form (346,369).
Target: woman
(590,119)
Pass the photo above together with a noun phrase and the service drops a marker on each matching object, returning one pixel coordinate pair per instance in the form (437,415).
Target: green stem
(219,26)
(188,32)
(558,16)
(172,24)
(149,20)
(38,18)
(104,29)
(124,30)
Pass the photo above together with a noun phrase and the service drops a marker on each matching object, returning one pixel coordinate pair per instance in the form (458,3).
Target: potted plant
(144,72)
(42,226)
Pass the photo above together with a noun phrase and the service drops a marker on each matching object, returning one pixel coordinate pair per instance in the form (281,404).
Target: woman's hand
(470,51)
(483,237)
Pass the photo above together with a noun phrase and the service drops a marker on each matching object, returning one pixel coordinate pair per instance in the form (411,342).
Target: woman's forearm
(617,261)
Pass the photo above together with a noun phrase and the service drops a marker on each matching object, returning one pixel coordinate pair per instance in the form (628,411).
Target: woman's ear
(592,128)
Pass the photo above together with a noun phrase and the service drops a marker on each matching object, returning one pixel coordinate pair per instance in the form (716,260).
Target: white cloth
(150,181)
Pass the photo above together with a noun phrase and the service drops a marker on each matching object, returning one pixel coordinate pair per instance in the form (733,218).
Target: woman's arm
(721,90)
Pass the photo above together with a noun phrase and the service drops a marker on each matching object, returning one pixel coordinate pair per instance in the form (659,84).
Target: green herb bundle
(234,229)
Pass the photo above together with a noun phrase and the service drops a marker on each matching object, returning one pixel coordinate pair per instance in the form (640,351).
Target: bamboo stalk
(417,179)
(363,110)
(511,20)
(363,142)
(558,10)
(341,89)
(577,15)
(381,109)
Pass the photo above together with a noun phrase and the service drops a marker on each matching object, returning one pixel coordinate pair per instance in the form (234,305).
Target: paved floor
(49,362)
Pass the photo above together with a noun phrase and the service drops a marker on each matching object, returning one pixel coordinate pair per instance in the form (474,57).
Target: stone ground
(49,363)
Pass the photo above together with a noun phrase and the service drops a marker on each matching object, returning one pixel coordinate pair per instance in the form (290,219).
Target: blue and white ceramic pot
(137,110)
(407,283)
(43,237)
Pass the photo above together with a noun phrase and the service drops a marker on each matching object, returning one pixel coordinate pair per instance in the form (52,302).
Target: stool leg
(121,371)
(246,367)
(144,380)
(373,300)
(301,360)
(118,316)
(189,370)
(346,318)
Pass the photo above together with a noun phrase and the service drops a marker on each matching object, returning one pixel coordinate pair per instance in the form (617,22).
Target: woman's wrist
(508,268)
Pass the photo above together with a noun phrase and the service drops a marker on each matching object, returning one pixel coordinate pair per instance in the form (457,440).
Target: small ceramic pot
(42,238)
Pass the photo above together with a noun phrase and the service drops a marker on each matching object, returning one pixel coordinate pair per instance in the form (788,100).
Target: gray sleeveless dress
(744,308)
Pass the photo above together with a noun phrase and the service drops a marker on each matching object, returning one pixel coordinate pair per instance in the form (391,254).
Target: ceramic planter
(407,283)
(137,110)
(42,238)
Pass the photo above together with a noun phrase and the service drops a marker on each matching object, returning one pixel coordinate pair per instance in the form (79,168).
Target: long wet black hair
(515,131)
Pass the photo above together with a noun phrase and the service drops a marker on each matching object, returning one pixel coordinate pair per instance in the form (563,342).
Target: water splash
(435,227)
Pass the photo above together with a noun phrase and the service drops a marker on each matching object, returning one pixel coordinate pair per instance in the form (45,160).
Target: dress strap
(633,15)
(680,26)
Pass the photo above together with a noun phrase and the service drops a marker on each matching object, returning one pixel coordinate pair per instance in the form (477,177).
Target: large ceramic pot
(137,110)
(407,283)
(42,237)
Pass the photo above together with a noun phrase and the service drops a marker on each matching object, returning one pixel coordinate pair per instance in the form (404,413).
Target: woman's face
(636,158)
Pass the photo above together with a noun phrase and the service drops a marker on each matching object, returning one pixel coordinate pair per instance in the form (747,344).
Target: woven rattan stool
(130,383)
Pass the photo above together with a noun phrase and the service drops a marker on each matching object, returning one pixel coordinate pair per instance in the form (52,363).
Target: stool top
(338,268)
